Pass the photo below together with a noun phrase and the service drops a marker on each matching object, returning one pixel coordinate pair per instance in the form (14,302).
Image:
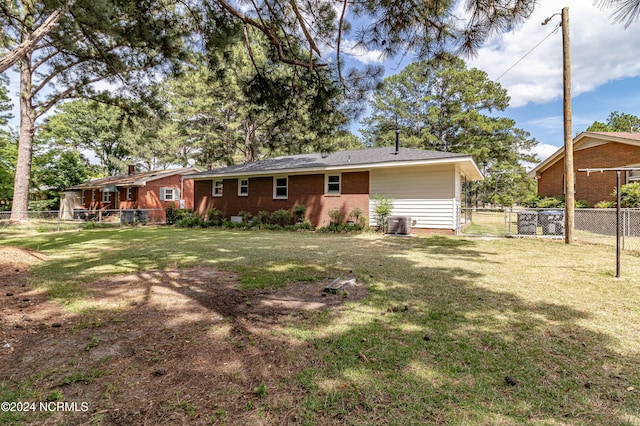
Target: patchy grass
(486,222)
(453,331)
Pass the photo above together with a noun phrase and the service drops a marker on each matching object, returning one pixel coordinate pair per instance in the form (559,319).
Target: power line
(529,52)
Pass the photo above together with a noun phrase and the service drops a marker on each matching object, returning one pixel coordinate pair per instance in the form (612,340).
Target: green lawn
(551,317)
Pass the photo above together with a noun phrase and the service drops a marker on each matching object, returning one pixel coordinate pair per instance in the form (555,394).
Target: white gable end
(429,195)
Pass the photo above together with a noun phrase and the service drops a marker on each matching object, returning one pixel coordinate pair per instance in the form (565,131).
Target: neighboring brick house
(591,150)
(425,185)
(149,191)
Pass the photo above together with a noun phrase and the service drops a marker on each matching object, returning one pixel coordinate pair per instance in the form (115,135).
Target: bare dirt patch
(163,347)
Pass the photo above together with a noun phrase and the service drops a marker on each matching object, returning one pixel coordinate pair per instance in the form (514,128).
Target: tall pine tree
(122,43)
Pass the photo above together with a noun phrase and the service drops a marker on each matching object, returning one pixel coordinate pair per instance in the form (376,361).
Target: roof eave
(559,154)
(131,181)
(468,167)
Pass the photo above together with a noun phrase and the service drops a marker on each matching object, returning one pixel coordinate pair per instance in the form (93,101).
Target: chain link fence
(594,226)
(54,220)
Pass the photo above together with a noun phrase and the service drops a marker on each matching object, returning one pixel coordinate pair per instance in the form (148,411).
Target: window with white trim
(106,197)
(128,194)
(243,187)
(333,184)
(217,188)
(280,187)
(169,194)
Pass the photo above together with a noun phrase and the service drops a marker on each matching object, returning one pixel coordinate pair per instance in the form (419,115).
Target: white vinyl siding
(435,182)
(458,186)
(430,196)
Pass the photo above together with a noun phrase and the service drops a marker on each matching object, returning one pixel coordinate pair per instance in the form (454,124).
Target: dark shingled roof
(351,158)
(136,179)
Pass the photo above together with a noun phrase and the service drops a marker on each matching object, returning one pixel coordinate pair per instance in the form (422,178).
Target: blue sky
(605,61)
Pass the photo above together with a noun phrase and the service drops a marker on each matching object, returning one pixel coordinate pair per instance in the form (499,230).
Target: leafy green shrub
(191,220)
(175,215)
(550,202)
(305,225)
(336,216)
(170,214)
(530,200)
(272,227)
(382,209)
(263,216)
(605,205)
(581,204)
(356,216)
(245,215)
(299,211)
(237,225)
(281,217)
(215,217)
(629,195)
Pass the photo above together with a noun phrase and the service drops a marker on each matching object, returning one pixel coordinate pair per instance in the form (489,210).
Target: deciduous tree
(617,122)
(57,170)
(91,127)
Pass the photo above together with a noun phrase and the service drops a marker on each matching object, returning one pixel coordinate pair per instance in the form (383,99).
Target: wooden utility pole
(569,177)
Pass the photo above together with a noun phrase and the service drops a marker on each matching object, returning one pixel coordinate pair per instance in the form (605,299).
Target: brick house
(425,185)
(149,191)
(591,150)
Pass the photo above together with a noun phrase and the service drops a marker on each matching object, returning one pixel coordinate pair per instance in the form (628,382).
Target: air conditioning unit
(399,225)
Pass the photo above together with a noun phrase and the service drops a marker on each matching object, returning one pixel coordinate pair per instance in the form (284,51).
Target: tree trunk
(22,179)
(250,148)
(29,43)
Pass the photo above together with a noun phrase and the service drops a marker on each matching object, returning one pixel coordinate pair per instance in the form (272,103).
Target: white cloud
(542,152)
(360,54)
(601,51)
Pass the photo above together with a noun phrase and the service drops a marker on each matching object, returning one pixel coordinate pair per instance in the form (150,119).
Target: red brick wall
(202,201)
(128,204)
(597,186)
(303,189)
(149,197)
(187,193)
(89,203)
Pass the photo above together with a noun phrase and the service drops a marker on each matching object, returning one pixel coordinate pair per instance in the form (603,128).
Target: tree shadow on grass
(428,346)
(479,357)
